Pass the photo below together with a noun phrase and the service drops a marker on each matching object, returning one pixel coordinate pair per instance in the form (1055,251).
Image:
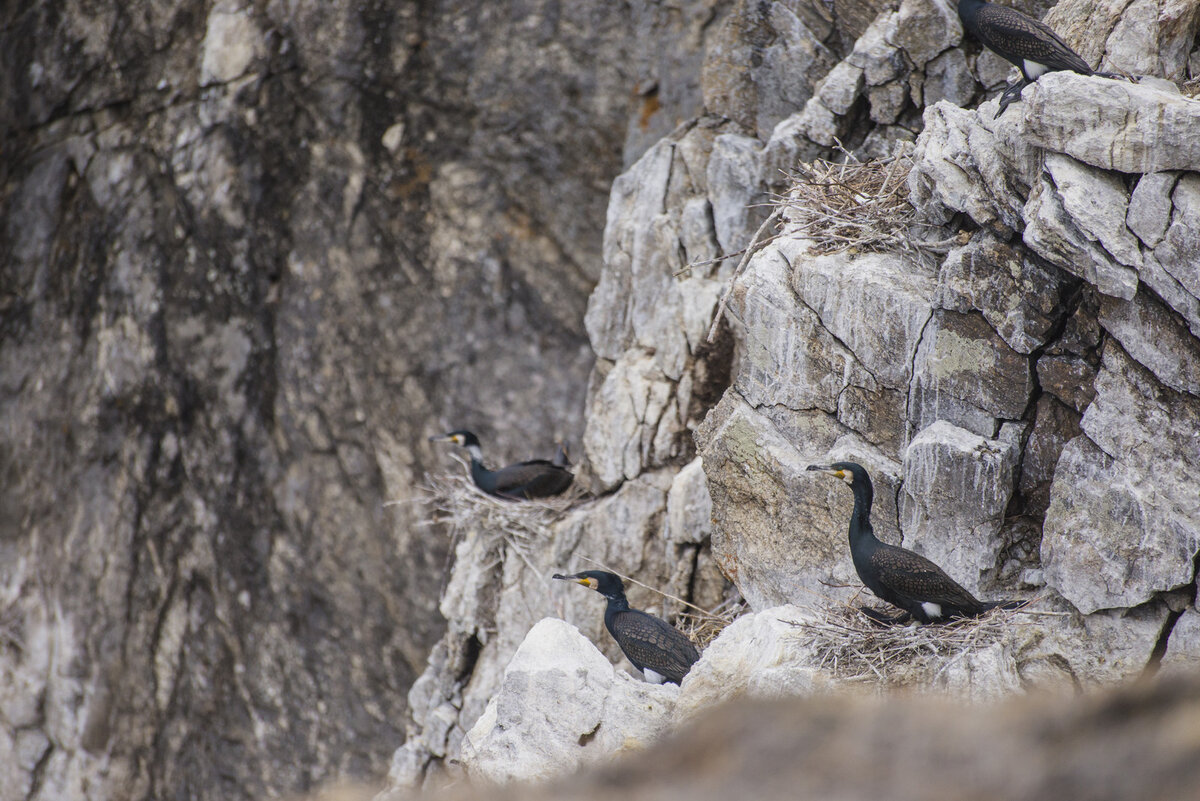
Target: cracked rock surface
(1024,402)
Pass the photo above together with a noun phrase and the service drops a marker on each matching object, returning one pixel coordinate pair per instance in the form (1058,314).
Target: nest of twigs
(848,644)
(702,627)
(859,206)
(455,501)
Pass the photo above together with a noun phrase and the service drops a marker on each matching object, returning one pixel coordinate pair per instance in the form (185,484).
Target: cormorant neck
(484,479)
(860,520)
(616,603)
(476,453)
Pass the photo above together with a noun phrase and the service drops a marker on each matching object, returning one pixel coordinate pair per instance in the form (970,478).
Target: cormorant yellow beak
(455,438)
(590,583)
(828,469)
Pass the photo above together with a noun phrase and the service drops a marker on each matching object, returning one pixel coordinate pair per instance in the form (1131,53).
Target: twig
(755,245)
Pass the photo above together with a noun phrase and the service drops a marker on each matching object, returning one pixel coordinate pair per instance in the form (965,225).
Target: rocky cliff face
(253,254)
(255,251)
(1024,400)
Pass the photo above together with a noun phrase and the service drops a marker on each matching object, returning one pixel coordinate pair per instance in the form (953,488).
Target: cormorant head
(459,437)
(561,457)
(850,472)
(607,584)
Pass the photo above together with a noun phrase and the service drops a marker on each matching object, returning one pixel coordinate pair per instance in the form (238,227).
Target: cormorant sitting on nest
(1031,45)
(897,575)
(655,647)
(537,478)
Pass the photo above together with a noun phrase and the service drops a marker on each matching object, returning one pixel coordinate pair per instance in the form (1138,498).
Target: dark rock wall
(253,253)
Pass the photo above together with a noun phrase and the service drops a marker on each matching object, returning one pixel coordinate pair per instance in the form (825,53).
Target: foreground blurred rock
(1141,741)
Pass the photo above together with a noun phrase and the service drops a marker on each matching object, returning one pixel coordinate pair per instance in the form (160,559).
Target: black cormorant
(1028,43)
(536,478)
(655,647)
(897,575)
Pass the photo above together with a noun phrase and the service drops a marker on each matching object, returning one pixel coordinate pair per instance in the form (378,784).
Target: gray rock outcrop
(253,254)
(562,705)
(1007,393)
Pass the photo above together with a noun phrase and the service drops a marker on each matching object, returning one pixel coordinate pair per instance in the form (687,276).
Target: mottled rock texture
(1136,742)
(253,254)
(982,387)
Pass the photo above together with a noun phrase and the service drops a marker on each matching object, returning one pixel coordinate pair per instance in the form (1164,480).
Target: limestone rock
(1156,339)
(1113,539)
(1055,235)
(1017,297)
(1183,647)
(956,490)
(1150,207)
(1171,270)
(763,62)
(957,168)
(925,28)
(561,705)
(948,78)
(689,507)
(733,178)
(964,373)
(232,44)
(759,655)
(790,359)
(633,403)
(1054,425)
(876,305)
(1132,128)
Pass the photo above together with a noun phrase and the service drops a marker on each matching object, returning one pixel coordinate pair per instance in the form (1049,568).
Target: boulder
(1124,517)
(759,655)
(561,705)
(956,490)
(1131,128)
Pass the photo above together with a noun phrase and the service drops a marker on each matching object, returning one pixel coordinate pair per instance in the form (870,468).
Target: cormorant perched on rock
(536,478)
(1028,43)
(897,575)
(655,647)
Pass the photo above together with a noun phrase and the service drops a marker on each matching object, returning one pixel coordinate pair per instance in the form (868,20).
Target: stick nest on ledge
(454,501)
(858,206)
(853,648)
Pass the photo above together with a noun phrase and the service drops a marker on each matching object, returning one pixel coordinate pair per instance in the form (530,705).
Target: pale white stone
(1129,127)
(759,655)
(957,486)
(561,705)
(689,506)
(232,43)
